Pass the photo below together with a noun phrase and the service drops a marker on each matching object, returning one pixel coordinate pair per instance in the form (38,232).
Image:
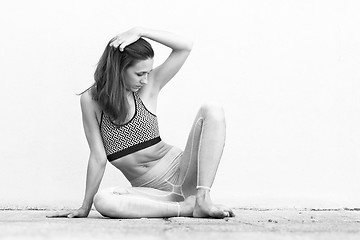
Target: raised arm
(181,48)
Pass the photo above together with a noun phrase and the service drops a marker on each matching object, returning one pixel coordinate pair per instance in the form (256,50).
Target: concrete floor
(248,224)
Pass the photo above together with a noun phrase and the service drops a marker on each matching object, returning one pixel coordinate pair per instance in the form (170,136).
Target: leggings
(158,192)
(164,176)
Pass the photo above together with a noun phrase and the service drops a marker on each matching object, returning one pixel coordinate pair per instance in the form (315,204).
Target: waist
(165,169)
(138,163)
(121,152)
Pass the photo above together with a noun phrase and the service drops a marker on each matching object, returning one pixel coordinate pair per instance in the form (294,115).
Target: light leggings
(158,192)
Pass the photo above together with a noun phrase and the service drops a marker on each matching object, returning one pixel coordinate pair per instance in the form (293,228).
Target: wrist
(86,207)
(143,32)
(138,31)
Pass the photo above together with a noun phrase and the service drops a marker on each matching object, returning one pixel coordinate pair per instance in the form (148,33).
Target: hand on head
(126,38)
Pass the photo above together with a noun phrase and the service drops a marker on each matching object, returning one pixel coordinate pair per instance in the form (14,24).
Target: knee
(213,111)
(112,202)
(106,202)
(101,203)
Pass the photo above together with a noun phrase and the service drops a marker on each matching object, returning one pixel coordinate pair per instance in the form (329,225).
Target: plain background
(287,73)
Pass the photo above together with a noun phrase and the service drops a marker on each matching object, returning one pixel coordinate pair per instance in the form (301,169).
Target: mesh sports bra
(140,132)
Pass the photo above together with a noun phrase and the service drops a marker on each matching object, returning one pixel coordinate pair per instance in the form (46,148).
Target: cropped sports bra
(140,132)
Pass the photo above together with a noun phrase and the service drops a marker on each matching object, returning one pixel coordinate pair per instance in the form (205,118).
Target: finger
(58,214)
(115,43)
(50,215)
(122,46)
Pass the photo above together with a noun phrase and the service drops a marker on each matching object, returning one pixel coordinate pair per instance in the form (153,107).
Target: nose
(144,79)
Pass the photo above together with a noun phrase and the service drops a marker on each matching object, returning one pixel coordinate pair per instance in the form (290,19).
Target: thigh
(146,192)
(189,158)
(135,202)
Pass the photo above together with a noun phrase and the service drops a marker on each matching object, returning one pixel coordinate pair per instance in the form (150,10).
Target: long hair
(109,87)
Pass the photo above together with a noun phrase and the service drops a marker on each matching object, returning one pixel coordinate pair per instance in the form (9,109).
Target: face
(136,76)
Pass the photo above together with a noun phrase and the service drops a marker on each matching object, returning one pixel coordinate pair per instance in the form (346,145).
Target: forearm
(168,39)
(95,172)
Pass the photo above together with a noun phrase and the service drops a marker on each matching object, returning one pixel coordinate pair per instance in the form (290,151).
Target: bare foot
(187,206)
(204,208)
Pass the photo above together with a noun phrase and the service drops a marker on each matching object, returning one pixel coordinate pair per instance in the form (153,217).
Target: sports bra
(140,132)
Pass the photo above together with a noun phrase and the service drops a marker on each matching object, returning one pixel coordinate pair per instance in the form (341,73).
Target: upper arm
(91,127)
(167,70)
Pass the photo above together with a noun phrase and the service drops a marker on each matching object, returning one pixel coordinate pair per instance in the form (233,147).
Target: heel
(178,209)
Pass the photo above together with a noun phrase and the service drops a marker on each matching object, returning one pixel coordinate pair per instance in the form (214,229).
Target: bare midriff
(138,163)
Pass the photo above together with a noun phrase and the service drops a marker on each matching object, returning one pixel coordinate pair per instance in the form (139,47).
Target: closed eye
(143,73)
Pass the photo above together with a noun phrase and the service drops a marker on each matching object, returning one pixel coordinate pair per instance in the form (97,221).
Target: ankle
(186,208)
(202,195)
(202,191)
(203,187)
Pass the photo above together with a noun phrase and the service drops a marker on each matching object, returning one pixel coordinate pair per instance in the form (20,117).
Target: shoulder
(90,109)
(86,99)
(89,106)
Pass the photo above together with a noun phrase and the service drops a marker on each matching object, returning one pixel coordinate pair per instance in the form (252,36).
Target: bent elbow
(100,160)
(189,45)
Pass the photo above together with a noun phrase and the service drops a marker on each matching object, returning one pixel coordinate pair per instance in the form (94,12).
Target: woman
(121,127)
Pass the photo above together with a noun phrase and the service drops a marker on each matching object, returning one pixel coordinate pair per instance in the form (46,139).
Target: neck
(128,93)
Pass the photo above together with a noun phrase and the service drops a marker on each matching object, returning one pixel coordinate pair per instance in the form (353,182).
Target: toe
(228,210)
(219,213)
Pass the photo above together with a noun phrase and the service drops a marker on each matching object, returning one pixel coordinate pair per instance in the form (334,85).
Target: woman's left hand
(126,38)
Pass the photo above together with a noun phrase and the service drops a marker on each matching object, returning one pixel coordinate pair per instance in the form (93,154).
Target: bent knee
(213,111)
(111,202)
(105,202)
(101,203)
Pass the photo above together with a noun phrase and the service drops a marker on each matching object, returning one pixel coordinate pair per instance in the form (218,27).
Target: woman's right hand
(126,38)
(79,213)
